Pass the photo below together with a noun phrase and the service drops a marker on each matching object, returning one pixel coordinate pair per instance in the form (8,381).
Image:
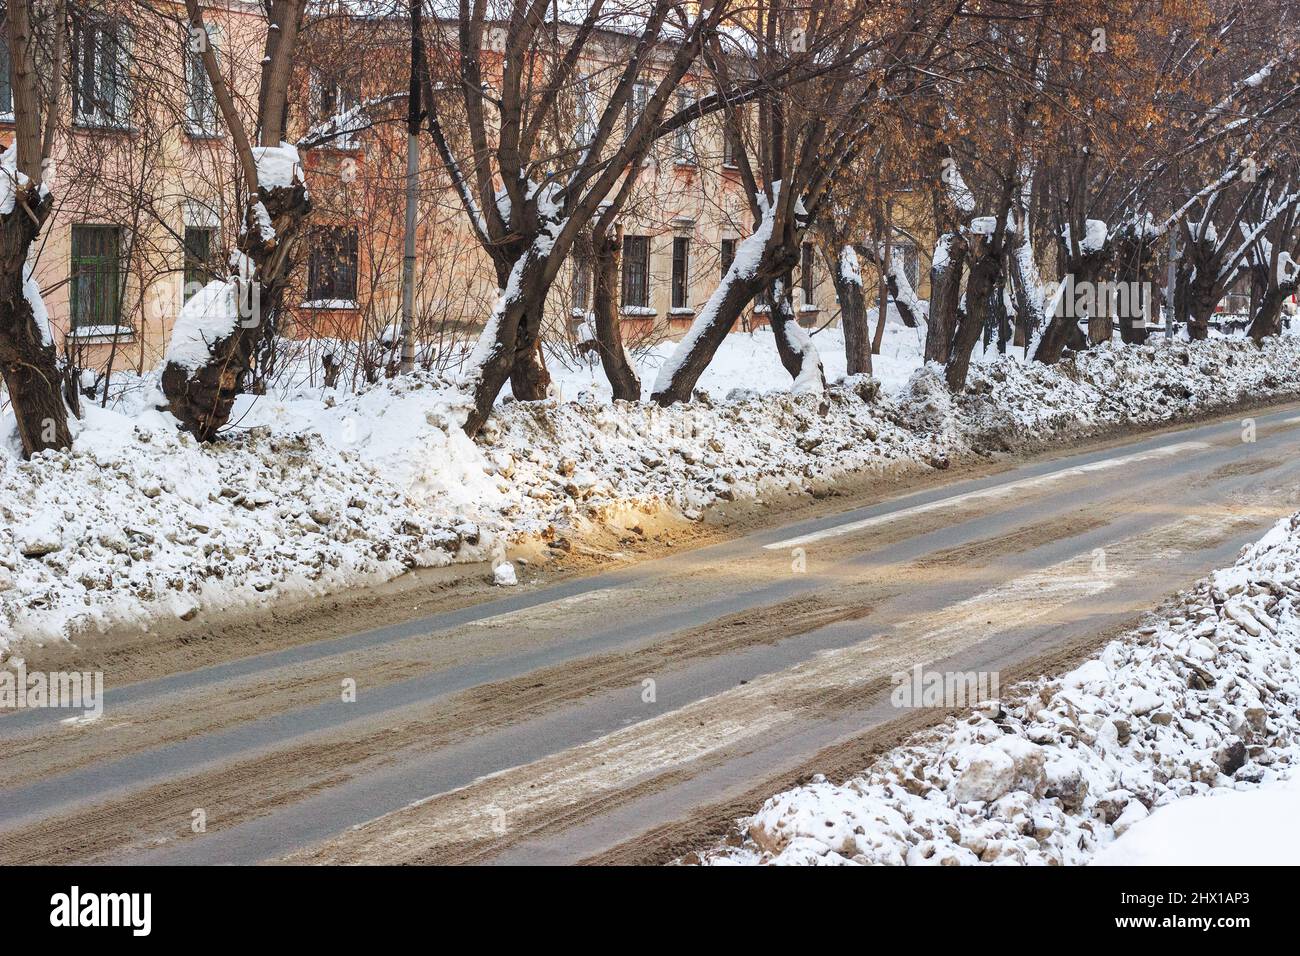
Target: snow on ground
(1257,827)
(1178,743)
(749,360)
(317,490)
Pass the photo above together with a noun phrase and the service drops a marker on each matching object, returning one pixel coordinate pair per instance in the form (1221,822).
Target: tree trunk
(945,293)
(985,274)
(39,390)
(793,343)
(493,360)
(202,399)
(1026,290)
(529,379)
(677,379)
(781,317)
(853,315)
(1267,319)
(605,261)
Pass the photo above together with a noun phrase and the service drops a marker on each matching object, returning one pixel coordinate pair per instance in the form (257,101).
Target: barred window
(96,277)
(636,271)
(332,266)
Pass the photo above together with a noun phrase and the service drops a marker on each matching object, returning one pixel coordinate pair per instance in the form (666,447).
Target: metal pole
(1171,281)
(412,188)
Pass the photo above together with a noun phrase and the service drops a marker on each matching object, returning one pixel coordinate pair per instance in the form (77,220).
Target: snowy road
(621,716)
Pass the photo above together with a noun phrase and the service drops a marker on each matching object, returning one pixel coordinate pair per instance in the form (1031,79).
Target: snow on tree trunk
(609,334)
(904,297)
(795,346)
(945,294)
(38,381)
(492,360)
(1281,280)
(847,278)
(220,329)
(677,377)
(1060,332)
(1026,288)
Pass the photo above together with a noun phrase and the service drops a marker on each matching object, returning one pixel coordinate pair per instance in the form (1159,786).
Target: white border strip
(992,492)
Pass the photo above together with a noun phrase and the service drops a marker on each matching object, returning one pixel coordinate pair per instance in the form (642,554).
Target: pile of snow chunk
(138,524)
(1204,699)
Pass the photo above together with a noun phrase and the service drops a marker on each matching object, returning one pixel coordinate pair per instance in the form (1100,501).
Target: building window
(198,258)
(581,283)
(332,267)
(684,141)
(807,279)
(201,103)
(911,261)
(100,87)
(730,149)
(337,100)
(96,278)
(585,128)
(636,272)
(681,272)
(636,103)
(728,255)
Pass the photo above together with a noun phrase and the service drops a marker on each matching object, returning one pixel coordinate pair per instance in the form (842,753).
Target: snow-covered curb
(321,490)
(1203,700)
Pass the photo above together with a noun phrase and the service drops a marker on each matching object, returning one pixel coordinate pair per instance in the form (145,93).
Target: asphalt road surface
(631,715)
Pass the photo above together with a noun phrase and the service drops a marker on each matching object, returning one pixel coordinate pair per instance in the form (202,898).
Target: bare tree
(201,388)
(804,141)
(37,379)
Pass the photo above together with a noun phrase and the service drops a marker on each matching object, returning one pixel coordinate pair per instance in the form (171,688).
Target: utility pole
(413,114)
(1171,281)
(886,261)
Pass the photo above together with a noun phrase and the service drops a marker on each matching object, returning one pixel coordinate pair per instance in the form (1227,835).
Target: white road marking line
(993,492)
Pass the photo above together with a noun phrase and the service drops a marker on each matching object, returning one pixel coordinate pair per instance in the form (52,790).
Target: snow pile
(277,166)
(210,316)
(1259,827)
(140,522)
(1203,700)
(317,490)
(1128,384)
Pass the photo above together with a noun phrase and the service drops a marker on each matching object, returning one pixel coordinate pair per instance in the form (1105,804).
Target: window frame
(323,277)
(192,264)
(204,122)
(726,255)
(681,274)
(98,266)
(636,272)
(685,151)
(807,268)
(6,86)
(88,65)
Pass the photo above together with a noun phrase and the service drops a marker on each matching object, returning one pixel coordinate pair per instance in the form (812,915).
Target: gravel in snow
(1191,718)
(320,490)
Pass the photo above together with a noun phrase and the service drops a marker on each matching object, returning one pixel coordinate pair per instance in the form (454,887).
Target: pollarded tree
(39,385)
(506,75)
(220,328)
(868,59)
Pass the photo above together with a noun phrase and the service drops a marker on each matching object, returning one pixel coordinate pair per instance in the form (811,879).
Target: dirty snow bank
(319,490)
(1166,734)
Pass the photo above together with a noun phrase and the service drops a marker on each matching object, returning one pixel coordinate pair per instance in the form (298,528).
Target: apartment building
(147,197)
